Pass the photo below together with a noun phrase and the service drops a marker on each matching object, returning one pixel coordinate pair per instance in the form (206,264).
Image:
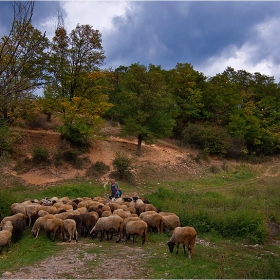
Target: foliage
(97,169)
(23,60)
(122,163)
(75,134)
(40,155)
(7,139)
(209,138)
(148,111)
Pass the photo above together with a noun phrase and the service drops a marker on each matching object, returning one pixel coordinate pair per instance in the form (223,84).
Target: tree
(23,59)
(144,104)
(187,87)
(72,57)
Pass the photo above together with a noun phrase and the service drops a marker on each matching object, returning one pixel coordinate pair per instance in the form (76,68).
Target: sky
(209,35)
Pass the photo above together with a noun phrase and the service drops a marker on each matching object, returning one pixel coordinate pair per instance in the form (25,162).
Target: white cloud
(96,13)
(260,53)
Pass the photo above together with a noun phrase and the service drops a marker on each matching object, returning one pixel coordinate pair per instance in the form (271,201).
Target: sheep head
(171,246)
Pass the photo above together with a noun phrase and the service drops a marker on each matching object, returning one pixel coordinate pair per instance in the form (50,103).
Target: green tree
(186,85)
(23,60)
(144,104)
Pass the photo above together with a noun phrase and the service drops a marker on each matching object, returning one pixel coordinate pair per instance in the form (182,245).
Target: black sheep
(18,230)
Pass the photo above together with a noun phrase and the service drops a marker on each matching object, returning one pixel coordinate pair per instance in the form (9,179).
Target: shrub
(7,139)
(122,163)
(210,138)
(75,135)
(40,155)
(97,169)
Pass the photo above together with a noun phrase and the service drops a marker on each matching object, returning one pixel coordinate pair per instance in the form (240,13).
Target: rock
(7,274)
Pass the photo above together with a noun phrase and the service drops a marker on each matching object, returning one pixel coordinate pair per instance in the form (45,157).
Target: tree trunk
(139,145)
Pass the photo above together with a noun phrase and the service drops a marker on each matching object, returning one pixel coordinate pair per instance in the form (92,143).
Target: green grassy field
(231,211)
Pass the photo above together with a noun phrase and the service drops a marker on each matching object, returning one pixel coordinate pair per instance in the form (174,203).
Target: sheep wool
(186,236)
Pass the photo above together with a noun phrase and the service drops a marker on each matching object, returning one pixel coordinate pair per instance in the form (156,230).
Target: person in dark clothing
(114,188)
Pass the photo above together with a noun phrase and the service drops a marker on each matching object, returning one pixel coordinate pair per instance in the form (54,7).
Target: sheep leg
(177,248)
(184,246)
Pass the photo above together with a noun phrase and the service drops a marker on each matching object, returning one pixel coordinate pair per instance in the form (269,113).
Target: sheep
(18,229)
(5,240)
(17,208)
(43,213)
(170,222)
(111,224)
(31,209)
(186,236)
(145,207)
(33,219)
(8,226)
(147,213)
(78,220)
(39,223)
(63,215)
(154,221)
(106,214)
(82,210)
(128,219)
(122,213)
(88,222)
(54,226)
(70,228)
(49,209)
(13,218)
(137,227)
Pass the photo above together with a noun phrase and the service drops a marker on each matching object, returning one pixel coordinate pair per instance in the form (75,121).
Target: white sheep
(5,240)
(138,228)
(186,236)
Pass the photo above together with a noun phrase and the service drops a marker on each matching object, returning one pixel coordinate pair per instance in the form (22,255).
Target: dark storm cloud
(165,33)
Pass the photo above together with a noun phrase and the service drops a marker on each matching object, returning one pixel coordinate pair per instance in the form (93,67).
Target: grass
(229,209)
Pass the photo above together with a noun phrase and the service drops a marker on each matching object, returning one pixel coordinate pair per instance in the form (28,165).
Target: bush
(122,163)
(7,139)
(97,169)
(209,138)
(75,135)
(40,155)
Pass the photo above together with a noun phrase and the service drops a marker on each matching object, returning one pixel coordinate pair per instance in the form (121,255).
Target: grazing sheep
(144,208)
(170,222)
(5,240)
(184,235)
(31,209)
(70,229)
(106,214)
(138,228)
(8,226)
(112,224)
(88,222)
(154,221)
(13,218)
(18,229)
(33,219)
(122,213)
(78,220)
(39,223)
(82,210)
(147,213)
(43,213)
(63,215)
(49,209)
(54,226)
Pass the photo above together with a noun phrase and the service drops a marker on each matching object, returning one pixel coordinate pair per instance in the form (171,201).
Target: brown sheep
(184,235)
(137,227)
(54,226)
(154,221)
(70,229)
(5,240)
(13,218)
(39,223)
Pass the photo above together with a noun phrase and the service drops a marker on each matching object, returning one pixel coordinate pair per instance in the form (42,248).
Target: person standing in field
(114,188)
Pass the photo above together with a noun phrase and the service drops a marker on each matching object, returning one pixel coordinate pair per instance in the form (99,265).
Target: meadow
(232,211)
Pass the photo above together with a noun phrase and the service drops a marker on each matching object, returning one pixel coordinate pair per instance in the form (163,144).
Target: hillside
(161,161)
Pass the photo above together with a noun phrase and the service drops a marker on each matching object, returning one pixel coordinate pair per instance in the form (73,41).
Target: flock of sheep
(69,219)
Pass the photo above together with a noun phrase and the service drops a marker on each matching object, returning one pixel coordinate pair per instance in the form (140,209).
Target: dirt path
(78,261)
